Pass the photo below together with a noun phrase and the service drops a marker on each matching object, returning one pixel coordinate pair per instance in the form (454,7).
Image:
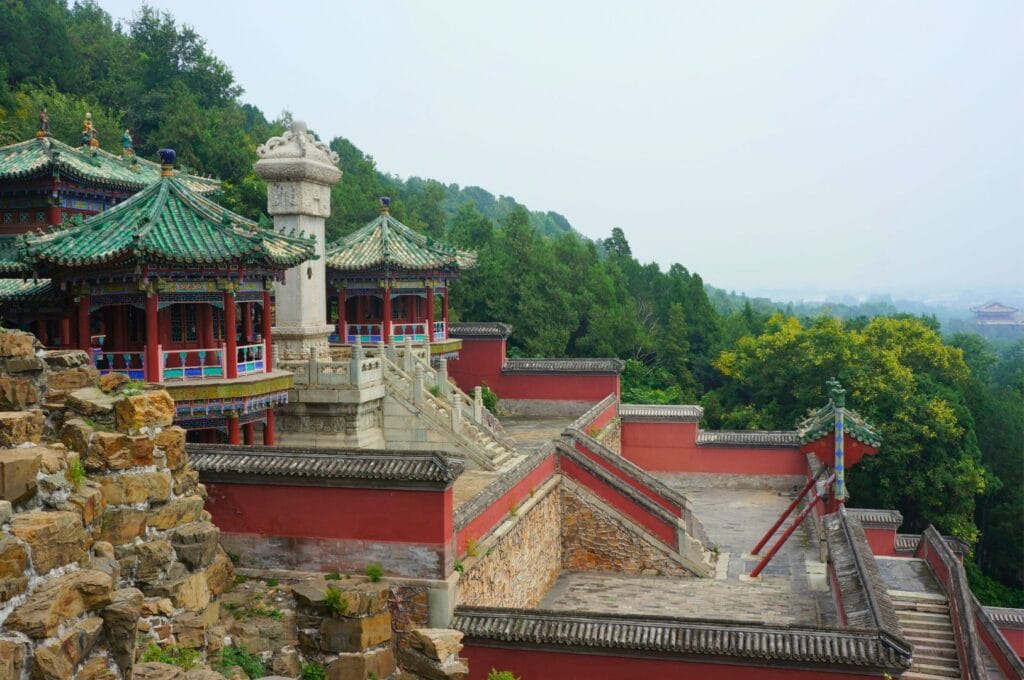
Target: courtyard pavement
(791,590)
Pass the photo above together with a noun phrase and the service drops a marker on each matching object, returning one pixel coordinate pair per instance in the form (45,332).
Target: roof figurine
(44,123)
(89,136)
(165,223)
(127,147)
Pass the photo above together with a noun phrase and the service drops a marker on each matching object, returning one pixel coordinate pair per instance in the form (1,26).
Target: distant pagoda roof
(385,243)
(167,223)
(993,308)
(40,156)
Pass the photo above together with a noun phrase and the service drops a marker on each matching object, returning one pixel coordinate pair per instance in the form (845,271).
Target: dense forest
(951,410)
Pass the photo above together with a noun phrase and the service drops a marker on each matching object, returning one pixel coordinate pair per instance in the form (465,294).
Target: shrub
(240,579)
(472,549)
(501,675)
(489,398)
(335,601)
(271,582)
(312,671)
(182,657)
(374,573)
(333,576)
(513,510)
(231,656)
(435,390)
(76,471)
(458,566)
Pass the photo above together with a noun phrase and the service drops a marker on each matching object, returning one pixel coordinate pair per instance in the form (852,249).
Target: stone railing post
(356,369)
(391,352)
(410,359)
(456,413)
(442,376)
(313,369)
(417,387)
(478,404)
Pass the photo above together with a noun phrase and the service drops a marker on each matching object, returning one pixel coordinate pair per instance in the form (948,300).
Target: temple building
(997,321)
(171,288)
(387,278)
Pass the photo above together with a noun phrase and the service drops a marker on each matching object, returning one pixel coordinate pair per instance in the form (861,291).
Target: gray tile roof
(684,413)
(624,635)
(500,486)
(584,421)
(262,465)
(908,543)
(865,597)
(479,329)
(1006,617)
(563,366)
(877,519)
(760,439)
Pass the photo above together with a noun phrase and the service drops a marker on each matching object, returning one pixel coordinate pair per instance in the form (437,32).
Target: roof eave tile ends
(623,635)
(568,366)
(479,329)
(877,518)
(753,439)
(660,412)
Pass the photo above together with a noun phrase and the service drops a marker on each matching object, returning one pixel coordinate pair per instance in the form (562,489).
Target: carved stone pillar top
(296,156)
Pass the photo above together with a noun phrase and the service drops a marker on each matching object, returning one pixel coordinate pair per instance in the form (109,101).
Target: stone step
(916,596)
(934,660)
(916,675)
(925,624)
(942,671)
(914,615)
(936,647)
(927,634)
(922,607)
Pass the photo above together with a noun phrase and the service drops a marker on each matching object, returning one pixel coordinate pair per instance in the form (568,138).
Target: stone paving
(792,589)
(908,574)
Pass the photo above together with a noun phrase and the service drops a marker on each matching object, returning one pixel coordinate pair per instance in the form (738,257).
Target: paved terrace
(792,589)
(530,434)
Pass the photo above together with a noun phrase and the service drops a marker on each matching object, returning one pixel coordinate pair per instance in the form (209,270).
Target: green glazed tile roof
(165,223)
(42,155)
(9,262)
(823,421)
(21,289)
(386,243)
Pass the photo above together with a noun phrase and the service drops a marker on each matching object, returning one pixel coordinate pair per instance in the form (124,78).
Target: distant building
(996,320)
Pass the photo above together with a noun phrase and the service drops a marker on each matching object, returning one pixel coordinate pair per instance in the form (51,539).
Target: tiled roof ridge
(993,619)
(358,465)
(441,255)
(684,412)
(699,638)
(464,329)
(821,421)
(486,497)
(750,438)
(1006,616)
(865,597)
(567,365)
(877,517)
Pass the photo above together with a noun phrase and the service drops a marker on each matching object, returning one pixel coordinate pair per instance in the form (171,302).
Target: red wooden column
(234,431)
(430,313)
(65,333)
(249,433)
(40,331)
(84,332)
(230,339)
(444,306)
(386,317)
(152,339)
(53,210)
(247,322)
(205,317)
(267,343)
(268,429)
(341,316)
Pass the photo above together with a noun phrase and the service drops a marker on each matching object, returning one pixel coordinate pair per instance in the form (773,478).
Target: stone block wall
(517,564)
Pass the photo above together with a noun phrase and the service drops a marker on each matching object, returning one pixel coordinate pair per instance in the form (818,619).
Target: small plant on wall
(501,675)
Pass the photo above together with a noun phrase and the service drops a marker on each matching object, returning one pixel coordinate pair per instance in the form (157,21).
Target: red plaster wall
(1005,665)
(882,541)
(480,361)
(423,517)
(624,504)
(532,664)
(671,447)
(1015,636)
(642,488)
(483,523)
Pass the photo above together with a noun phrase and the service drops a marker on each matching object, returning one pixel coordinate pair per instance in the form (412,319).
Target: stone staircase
(924,618)
(447,410)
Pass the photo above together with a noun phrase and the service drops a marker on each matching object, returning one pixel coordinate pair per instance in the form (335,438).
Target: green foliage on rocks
(374,572)
(182,657)
(335,600)
(232,655)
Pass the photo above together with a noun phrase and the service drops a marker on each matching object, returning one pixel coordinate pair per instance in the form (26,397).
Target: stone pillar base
(299,342)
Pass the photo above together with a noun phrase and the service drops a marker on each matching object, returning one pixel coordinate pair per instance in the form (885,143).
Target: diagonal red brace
(785,536)
(780,520)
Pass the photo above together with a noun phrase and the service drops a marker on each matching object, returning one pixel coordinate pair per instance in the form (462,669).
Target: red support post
(341,316)
(206,334)
(234,431)
(247,322)
(444,306)
(65,333)
(268,429)
(84,331)
(267,319)
(249,433)
(152,339)
(386,318)
(778,523)
(53,210)
(230,334)
(430,314)
(785,536)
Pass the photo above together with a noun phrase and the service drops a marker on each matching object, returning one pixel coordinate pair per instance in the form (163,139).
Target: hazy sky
(862,146)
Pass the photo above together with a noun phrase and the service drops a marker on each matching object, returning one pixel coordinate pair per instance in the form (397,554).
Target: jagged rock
(354,634)
(149,409)
(109,382)
(154,558)
(18,470)
(108,451)
(415,661)
(287,663)
(142,449)
(15,343)
(103,560)
(154,670)
(91,402)
(121,623)
(59,600)
(18,392)
(206,674)
(6,512)
(221,573)
(57,660)
(57,359)
(30,364)
(18,427)
(186,482)
(55,538)
(136,488)
(96,668)
(122,525)
(12,658)
(177,512)
(72,379)
(191,592)
(13,563)
(75,434)
(380,662)
(172,442)
(190,627)
(52,458)
(88,501)
(436,643)
(157,606)
(196,543)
